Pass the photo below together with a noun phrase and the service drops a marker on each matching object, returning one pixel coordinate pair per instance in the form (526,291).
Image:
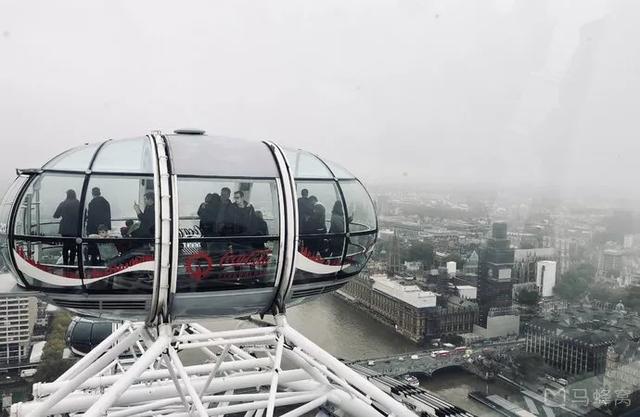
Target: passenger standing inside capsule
(225,213)
(147,217)
(244,215)
(317,226)
(337,226)
(305,206)
(261,229)
(68,212)
(98,213)
(208,213)
(244,220)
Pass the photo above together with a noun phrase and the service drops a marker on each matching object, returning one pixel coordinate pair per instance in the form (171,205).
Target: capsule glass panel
(117,265)
(362,215)
(126,155)
(5,216)
(317,201)
(359,251)
(219,156)
(76,159)
(305,165)
(50,206)
(229,234)
(118,234)
(48,262)
(321,228)
(110,207)
(338,171)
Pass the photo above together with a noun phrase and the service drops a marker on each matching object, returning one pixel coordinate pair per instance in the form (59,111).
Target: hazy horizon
(539,94)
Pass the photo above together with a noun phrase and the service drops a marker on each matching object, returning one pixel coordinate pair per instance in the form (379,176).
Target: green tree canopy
(419,251)
(528,297)
(51,364)
(576,281)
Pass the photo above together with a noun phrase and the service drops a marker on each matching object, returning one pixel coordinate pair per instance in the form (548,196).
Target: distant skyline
(517,93)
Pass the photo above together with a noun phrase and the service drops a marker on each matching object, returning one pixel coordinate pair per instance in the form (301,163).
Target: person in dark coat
(226,214)
(317,226)
(261,229)
(337,218)
(98,214)
(337,226)
(208,213)
(147,217)
(305,206)
(245,215)
(68,212)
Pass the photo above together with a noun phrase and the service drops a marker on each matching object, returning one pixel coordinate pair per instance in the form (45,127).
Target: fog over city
(507,93)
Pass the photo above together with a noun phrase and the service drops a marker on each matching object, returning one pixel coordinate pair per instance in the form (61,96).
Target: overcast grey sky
(497,91)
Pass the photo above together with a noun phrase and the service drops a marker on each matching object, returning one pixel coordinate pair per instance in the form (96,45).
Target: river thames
(350,333)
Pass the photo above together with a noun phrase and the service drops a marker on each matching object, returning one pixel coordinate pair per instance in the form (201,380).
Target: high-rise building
(612,262)
(546,277)
(18,314)
(394,255)
(494,278)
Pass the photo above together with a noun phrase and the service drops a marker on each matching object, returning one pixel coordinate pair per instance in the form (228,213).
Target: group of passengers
(313,221)
(97,219)
(221,217)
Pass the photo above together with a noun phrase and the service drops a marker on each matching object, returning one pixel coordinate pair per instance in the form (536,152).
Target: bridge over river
(423,362)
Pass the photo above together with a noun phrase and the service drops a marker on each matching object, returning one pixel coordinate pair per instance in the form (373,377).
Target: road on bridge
(423,362)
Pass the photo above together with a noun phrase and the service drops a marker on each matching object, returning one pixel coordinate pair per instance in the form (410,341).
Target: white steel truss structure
(256,372)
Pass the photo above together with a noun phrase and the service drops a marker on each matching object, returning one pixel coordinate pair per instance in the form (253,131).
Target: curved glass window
(320,208)
(126,155)
(228,234)
(5,214)
(338,171)
(305,165)
(50,206)
(321,229)
(359,250)
(219,156)
(362,215)
(110,207)
(114,265)
(118,234)
(46,228)
(48,262)
(76,159)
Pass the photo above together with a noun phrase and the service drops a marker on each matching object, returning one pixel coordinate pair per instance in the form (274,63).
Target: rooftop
(409,294)
(592,325)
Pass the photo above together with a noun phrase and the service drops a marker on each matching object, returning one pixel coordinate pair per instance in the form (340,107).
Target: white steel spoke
(241,375)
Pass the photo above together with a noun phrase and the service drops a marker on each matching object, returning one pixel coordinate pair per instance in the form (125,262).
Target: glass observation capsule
(183,226)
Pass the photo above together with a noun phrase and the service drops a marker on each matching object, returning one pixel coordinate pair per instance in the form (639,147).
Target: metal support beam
(156,383)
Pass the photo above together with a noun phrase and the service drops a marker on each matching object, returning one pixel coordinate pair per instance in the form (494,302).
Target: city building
(415,313)
(612,262)
(468,292)
(501,322)
(494,279)
(546,277)
(587,339)
(413,266)
(471,264)
(451,268)
(525,262)
(18,315)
